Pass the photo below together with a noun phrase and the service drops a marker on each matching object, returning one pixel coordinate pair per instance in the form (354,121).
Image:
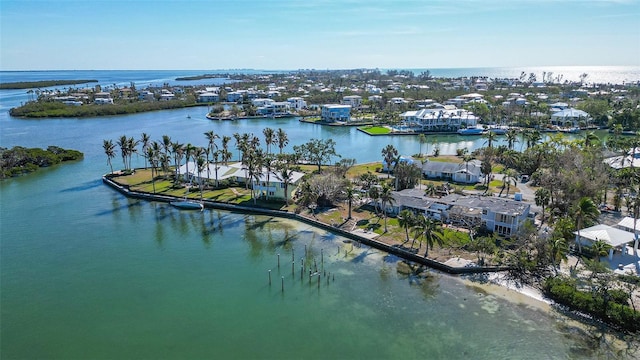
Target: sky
(310,34)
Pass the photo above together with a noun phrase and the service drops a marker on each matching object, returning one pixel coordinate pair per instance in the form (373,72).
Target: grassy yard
(375,130)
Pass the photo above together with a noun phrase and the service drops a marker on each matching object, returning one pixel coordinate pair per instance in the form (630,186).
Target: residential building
(434,119)
(234,96)
(570,117)
(466,173)
(336,112)
(355,101)
(297,103)
(208,97)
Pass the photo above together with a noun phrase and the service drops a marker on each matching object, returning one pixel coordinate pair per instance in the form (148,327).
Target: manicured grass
(375,130)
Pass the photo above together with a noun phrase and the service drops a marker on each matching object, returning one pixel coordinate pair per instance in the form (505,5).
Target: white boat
(471,131)
(187,205)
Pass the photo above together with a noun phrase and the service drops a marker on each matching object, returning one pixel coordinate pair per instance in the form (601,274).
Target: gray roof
(495,204)
(449,167)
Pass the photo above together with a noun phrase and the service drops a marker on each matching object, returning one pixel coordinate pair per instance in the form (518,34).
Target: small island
(41,84)
(20,160)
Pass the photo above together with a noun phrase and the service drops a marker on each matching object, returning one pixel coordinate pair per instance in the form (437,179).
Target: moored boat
(187,205)
(471,131)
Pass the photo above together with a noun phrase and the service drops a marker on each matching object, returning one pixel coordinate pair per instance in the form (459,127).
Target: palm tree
(600,248)
(153,160)
(188,151)
(178,152)
(584,212)
(559,251)
(430,189)
(509,178)
(406,219)
(431,233)
(269,138)
(285,173)
(512,138)
(226,154)
(386,198)
(124,148)
(491,137)
(131,148)
(542,198)
(109,150)
(212,147)
(283,140)
(390,155)
(350,194)
(166,144)
(200,163)
(144,141)
(422,139)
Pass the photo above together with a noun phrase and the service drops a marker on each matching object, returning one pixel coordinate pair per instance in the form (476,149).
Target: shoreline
(358,235)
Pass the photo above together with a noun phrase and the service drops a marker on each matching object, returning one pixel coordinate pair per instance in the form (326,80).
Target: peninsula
(41,84)
(20,160)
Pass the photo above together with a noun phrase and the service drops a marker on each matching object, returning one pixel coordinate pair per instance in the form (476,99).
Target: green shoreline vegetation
(42,109)
(41,84)
(20,160)
(341,196)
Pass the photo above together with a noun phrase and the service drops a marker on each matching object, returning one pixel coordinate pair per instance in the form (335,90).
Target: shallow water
(88,273)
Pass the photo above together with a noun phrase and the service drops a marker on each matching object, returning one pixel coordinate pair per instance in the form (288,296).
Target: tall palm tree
(542,198)
(144,142)
(269,138)
(491,137)
(178,152)
(431,232)
(124,150)
(211,147)
(386,198)
(406,219)
(285,172)
(109,150)
(283,140)
(226,154)
(131,148)
(508,179)
(166,144)
(584,212)
(559,251)
(151,155)
(390,155)
(201,162)
(512,138)
(422,139)
(350,194)
(600,248)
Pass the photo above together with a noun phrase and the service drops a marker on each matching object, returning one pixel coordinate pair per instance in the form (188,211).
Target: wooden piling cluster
(313,270)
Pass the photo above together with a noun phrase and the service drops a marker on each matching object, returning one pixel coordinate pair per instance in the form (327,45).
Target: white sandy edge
(509,290)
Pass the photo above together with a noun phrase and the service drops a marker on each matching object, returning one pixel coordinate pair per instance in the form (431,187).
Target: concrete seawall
(395,250)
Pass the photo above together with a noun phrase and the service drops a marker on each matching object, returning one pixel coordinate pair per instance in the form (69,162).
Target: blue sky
(329,34)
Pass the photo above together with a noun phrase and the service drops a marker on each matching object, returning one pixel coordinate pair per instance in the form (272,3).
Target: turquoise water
(88,273)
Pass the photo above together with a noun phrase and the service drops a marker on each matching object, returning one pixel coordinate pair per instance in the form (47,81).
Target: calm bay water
(88,273)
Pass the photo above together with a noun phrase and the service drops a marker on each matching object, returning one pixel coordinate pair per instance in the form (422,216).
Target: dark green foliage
(41,109)
(609,306)
(41,84)
(20,160)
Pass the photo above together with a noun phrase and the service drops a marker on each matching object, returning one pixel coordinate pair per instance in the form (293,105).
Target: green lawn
(375,130)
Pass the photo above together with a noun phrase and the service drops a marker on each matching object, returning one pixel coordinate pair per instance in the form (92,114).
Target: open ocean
(596,74)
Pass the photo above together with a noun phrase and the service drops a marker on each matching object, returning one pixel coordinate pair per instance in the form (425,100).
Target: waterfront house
(234,96)
(146,96)
(235,172)
(167,96)
(297,103)
(208,97)
(355,101)
(449,118)
(570,117)
(502,216)
(259,102)
(466,173)
(336,113)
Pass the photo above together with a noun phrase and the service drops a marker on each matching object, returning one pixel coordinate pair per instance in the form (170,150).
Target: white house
(234,96)
(274,188)
(631,159)
(207,97)
(448,119)
(569,117)
(467,173)
(297,103)
(355,101)
(262,102)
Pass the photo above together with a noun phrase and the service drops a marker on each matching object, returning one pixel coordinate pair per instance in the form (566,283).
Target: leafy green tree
(542,198)
(317,151)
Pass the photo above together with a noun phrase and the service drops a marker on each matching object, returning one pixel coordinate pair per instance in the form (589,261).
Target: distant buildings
(448,118)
